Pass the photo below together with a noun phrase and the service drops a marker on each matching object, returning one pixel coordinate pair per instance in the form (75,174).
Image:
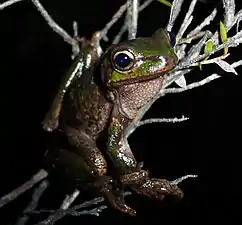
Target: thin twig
(9,3)
(175,10)
(229,6)
(155,120)
(203,24)
(117,38)
(37,194)
(55,27)
(193,85)
(162,120)
(69,199)
(133,12)
(40,175)
(114,19)
(60,213)
(187,20)
(181,179)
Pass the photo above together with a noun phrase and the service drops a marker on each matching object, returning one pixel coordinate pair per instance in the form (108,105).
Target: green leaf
(207,48)
(223,36)
(165,2)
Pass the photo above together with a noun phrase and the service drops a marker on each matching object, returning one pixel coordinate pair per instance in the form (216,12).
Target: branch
(69,199)
(191,86)
(114,19)
(175,10)
(37,194)
(132,19)
(189,59)
(56,28)
(40,175)
(117,38)
(8,3)
(187,20)
(153,120)
(197,84)
(74,211)
(58,214)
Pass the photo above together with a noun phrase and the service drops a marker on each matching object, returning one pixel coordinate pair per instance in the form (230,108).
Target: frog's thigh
(86,147)
(69,164)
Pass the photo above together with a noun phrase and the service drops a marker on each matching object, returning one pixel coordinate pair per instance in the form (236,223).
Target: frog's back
(84,106)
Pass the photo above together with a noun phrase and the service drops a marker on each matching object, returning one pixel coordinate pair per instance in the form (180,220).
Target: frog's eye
(172,39)
(123,60)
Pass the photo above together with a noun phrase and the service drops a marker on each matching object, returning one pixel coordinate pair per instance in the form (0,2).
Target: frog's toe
(158,188)
(118,204)
(112,196)
(124,208)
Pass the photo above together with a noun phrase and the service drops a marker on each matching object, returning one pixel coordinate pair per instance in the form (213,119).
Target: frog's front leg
(131,173)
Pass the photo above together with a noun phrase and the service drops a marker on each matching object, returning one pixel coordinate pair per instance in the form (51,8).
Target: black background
(33,59)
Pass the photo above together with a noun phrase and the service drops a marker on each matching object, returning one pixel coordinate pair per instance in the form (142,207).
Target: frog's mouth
(161,73)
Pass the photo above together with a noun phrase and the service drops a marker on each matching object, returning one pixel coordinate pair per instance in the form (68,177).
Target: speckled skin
(94,103)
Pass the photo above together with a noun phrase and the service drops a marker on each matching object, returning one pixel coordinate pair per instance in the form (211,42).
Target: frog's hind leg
(87,164)
(142,184)
(157,188)
(69,165)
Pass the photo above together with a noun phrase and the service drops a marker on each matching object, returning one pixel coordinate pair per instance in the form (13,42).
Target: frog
(105,92)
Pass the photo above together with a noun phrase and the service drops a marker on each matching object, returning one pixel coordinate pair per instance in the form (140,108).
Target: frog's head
(139,59)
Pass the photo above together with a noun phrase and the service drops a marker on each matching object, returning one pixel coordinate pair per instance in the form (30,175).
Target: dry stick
(160,120)
(117,38)
(199,83)
(175,10)
(133,11)
(69,199)
(59,214)
(37,194)
(187,20)
(40,175)
(114,19)
(9,3)
(55,27)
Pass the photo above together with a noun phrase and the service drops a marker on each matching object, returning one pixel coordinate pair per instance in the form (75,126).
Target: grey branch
(187,20)
(117,38)
(69,199)
(37,194)
(114,19)
(56,28)
(60,213)
(9,3)
(206,22)
(40,175)
(175,10)
(155,120)
(180,179)
(133,12)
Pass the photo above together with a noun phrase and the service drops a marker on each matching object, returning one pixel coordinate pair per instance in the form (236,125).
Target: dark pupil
(172,39)
(122,60)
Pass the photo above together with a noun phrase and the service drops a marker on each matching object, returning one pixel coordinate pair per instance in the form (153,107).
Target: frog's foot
(141,183)
(156,188)
(113,198)
(137,176)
